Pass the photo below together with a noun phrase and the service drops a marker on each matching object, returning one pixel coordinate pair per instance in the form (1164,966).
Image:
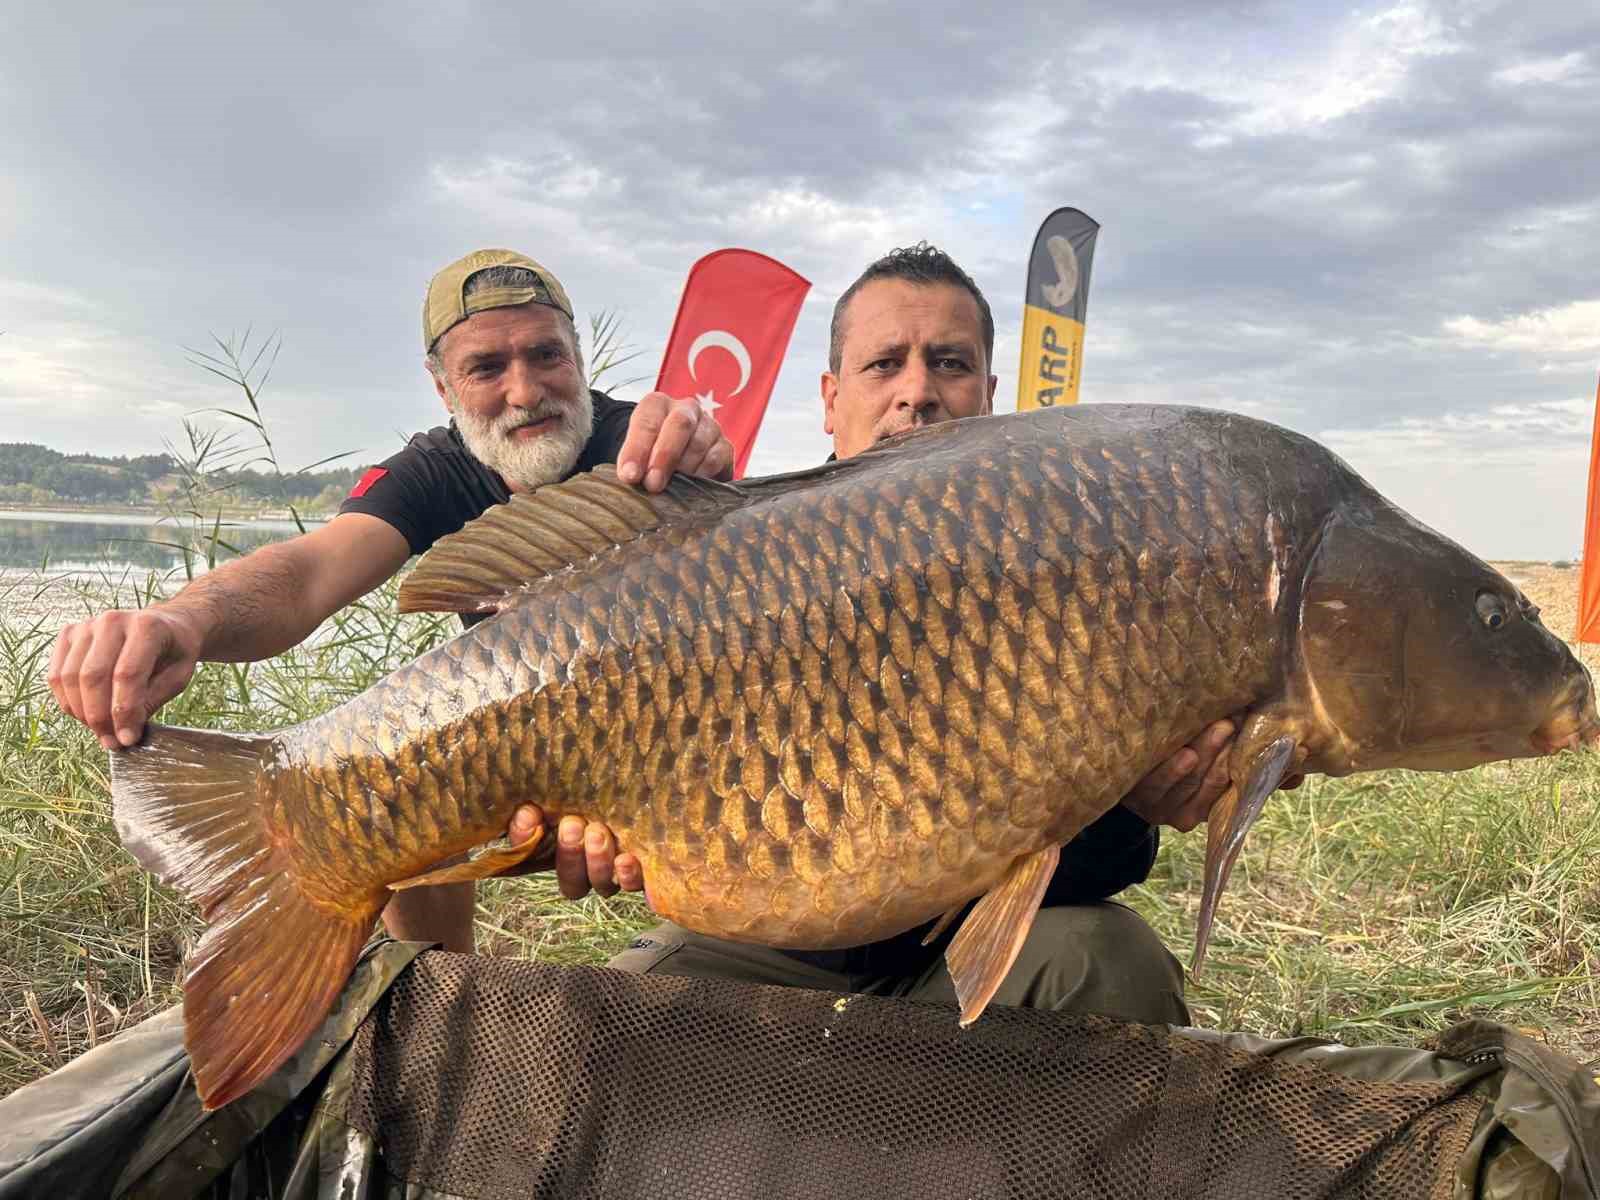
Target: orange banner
(1589,589)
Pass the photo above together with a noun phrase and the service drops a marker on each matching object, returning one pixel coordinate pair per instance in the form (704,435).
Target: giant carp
(825,707)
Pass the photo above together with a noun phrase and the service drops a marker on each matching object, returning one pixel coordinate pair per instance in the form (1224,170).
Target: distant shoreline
(148,512)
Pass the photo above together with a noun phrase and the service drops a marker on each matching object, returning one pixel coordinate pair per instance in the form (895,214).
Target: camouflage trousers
(1084,958)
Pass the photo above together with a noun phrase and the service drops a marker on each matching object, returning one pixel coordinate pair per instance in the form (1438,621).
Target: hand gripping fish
(826,707)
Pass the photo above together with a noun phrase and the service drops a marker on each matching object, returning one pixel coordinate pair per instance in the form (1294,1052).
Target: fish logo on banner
(1055,306)
(729,338)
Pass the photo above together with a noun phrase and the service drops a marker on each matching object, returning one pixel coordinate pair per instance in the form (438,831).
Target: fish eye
(1491,610)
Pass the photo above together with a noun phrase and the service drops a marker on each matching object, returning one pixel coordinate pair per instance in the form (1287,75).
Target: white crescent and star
(723,339)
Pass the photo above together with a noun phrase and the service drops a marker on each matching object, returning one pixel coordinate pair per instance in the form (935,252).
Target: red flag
(1589,586)
(733,325)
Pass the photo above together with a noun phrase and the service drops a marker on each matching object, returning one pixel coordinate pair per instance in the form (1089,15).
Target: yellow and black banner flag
(1054,308)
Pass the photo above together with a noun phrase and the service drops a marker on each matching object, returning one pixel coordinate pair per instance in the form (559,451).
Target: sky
(1378,224)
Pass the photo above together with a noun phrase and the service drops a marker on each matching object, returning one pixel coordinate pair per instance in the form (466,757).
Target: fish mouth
(1573,726)
(1551,741)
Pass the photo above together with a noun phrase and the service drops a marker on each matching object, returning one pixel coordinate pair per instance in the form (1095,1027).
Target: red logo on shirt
(371,477)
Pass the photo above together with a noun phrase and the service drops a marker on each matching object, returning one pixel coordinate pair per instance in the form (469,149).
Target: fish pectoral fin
(492,858)
(1230,819)
(943,923)
(991,937)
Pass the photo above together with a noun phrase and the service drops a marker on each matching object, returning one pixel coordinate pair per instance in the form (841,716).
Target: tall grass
(1378,907)
(1373,909)
(88,943)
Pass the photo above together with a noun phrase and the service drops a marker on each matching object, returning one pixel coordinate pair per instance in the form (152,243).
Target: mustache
(916,420)
(510,422)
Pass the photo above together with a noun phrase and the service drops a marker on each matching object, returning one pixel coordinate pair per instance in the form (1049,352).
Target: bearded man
(503,352)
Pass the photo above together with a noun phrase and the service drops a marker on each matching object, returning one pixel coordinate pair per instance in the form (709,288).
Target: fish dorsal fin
(511,546)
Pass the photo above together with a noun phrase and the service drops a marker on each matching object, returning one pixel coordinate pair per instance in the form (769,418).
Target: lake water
(95,542)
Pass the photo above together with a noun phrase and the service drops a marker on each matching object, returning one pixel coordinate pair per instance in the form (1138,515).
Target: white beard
(548,458)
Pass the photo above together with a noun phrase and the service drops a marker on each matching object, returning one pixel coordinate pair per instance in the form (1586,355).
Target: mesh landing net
(490,1078)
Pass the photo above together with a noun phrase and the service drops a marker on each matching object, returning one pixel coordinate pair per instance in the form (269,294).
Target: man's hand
(1181,791)
(667,435)
(586,857)
(114,671)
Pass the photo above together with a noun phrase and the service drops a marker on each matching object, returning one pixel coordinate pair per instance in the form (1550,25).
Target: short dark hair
(920,264)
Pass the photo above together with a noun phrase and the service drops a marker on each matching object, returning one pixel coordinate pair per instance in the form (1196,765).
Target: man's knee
(1097,958)
(670,949)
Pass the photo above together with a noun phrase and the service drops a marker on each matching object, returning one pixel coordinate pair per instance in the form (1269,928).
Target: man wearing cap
(503,353)
(912,340)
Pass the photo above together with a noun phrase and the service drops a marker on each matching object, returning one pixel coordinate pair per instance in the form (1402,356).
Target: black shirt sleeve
(610,431)
(428,490)
(1116,852)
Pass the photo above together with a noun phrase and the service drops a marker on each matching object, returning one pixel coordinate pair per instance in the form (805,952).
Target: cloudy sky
(1379,225)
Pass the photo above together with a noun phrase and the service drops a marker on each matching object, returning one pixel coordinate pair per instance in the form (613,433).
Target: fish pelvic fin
(1231,818)
(943,923)
(991,937)
(494,858)
(188,804)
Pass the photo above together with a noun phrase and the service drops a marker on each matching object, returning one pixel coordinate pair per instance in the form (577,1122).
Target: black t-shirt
(435,486)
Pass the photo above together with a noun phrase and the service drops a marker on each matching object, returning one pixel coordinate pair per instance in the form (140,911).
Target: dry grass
(1376,908)
(1373,909)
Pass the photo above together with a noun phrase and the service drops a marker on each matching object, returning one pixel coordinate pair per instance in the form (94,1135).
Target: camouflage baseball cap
(447,306)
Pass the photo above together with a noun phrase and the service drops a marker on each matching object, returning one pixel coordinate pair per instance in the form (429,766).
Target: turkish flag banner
(728,340)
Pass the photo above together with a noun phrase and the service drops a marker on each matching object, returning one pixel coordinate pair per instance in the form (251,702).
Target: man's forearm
(249,609)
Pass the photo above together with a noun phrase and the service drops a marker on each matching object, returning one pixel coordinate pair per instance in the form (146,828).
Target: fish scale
(827,707)
(603,736)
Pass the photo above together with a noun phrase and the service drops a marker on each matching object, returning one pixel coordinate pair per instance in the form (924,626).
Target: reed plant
(1374,909)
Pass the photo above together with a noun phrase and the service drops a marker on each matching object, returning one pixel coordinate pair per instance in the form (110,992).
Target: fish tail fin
(190,805)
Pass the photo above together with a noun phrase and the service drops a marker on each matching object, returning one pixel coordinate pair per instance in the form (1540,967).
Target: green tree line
(34,474)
